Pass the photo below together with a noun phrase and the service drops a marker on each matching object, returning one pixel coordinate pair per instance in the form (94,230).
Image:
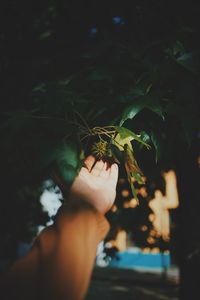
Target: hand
(96,184)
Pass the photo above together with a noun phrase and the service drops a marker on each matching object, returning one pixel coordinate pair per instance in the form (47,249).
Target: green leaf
(131,165)
(145,137)
(138,178)
(187,60)
(130,112)
(117,154)
(149,101)
(68,154)
(68,161)
(67,172)
(133,190)
(126,134)
(44,35)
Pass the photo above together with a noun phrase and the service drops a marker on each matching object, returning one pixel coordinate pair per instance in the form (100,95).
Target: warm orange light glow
(133,179)
(114,208)
(130,204)
(155,250)
(110,244)
(161,204)
(151,217)
(198,161)
(150,240)
(126,204)
(121,240)
(146,250)
(166,238)
(125,193)
(144,228)
(144,178)
(152,232)
(143,192)
(133,203)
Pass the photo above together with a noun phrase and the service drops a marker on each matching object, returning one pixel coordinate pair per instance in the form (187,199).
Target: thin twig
(83,120)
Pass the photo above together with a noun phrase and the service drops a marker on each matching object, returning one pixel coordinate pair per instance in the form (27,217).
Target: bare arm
(60,263)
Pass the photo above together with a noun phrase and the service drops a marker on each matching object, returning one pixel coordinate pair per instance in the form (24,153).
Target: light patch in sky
(50,202)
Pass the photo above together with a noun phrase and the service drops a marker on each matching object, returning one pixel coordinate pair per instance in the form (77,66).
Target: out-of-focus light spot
(110,244)
(144,178)
(133,179)
(150,240)
(119,289)
(152,232)
(126,204)
(121,240)
(50,202)
(114,208)
(45,35)
(143,192)
(155,250)
(144,228)
(93,32)
(133,203)
(130,204)
(151,217)
(146,250)
(198,161)
(166,238)
(121,180)
(117,20)
(125,193)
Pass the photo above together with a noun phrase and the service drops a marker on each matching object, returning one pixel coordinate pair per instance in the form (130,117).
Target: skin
(96,184)
(60,263)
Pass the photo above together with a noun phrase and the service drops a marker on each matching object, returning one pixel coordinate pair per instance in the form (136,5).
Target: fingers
(98,167)
(101,169)
(105,171)
(89,162)
(113,177)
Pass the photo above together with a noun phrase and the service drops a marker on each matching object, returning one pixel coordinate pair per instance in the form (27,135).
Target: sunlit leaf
(126,135)
(133,190)
(131,165)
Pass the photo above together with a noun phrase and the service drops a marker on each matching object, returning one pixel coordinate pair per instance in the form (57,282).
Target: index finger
(89,162)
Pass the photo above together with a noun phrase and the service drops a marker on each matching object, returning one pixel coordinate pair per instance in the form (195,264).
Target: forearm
(67,269)
(60,263)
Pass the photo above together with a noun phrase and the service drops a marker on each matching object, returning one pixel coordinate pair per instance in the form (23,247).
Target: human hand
(96,184)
